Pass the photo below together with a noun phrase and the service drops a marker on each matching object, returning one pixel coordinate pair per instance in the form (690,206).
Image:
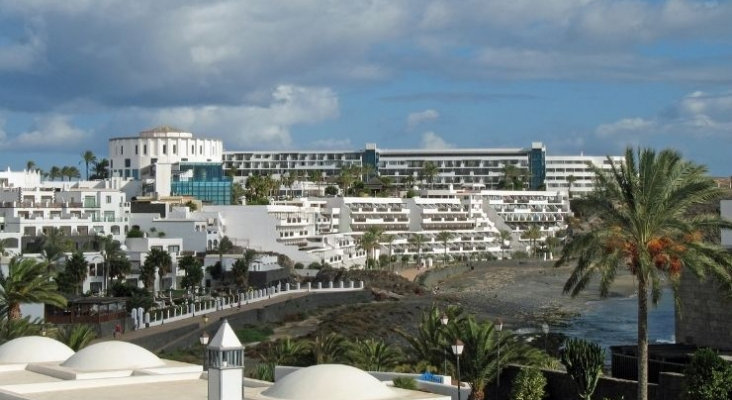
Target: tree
(370,242)
(328,349)
(76,336)
(346,178)
(408,182)
(505,236)
(14,328)
(389,240)
(53,248)
(161,260)
(237,192)
(373,355)
(147,274)
(430,342)
(707,377)
(316,176)
(480,362)
(112,256)
(30,165)
(225,246)
(240,269)
(54,172)
(532,234)
(331,190)
(193,271)
(584,361)
(87,158)
(430,171)
(288,180)
(417,239)
(77,269)
(444,237)
(570,181)
(28,281)
(638,218)
(101,169)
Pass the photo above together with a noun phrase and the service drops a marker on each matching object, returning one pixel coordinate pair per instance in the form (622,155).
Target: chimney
(225,365)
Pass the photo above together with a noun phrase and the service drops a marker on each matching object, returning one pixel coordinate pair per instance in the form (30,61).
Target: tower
(226,365)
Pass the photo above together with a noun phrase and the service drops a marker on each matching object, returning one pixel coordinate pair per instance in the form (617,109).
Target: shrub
(584,361)
(528,385)
(314,265)
(299,265)
(264,372)
(707,377)
(405,383)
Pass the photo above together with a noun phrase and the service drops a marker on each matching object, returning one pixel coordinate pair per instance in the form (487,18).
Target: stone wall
(705,316)
(189,334)
(560,386)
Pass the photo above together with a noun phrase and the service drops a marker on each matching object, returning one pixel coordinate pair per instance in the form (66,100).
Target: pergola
(88,310)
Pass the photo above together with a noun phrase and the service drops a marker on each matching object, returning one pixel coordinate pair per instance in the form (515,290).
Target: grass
(254,333)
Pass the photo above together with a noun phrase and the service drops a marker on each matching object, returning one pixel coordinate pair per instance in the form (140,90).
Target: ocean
(614,321)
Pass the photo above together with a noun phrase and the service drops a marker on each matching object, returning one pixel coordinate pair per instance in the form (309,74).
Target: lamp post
(545,329)
(499,328)
(204,341)
(457,349)
(444,320)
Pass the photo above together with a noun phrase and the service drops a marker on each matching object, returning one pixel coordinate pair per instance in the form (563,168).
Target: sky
(582,76)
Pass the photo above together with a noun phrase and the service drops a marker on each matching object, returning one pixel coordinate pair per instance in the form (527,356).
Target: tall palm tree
(162,260)
(570,181)
(87,157)
(110,250)
(532,234)
(638,219)
(370,242)
(28,281)
(417,239)
(54,172)
(444,237)
(430,171)
(30,165)
(100,169)
(77,269)
(389,240)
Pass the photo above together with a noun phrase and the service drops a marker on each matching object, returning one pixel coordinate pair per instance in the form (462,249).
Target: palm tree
(76,336)
(87,158)
(14,328)
(28,281)
(373,355)
(429,343)
(370,242)
(408,182)
(328,349)
(162,260)
(101,169)
(30,165)
(240,269)
(570,181)
(53,248)
(288,181)
(444,237)
(505,236)
(317,177)
(429,171)
(532,234)
(192,269)
(389,240)
(417,240)
(346,178)
(285,352)
(510,176)
(54,172)
(77,269)
(638,219)
(480,362)
(225,246)
(110,250)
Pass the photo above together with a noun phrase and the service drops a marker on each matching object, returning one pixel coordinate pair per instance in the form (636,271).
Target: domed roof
(33,349)
(112,355)
(329,382)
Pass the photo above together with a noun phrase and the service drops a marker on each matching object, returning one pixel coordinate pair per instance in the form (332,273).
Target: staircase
(501,225)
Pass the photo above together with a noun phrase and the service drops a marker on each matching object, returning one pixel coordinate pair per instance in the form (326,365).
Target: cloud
(431,140)
(417,118)
(50,132)
(257,126)
(697,114)
(458,97)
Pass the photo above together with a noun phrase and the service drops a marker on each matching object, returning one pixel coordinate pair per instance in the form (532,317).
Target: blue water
(614,321)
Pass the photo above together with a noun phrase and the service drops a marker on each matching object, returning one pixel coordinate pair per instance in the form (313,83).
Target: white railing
(142,319)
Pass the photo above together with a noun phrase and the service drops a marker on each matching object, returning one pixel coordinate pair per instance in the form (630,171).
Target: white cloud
(417,118)
(431,140)
(49,132)
(257,126)
(697,114)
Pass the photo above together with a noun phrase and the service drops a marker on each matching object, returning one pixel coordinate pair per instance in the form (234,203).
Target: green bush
(251,334)
(584,361)
(707,377)
(528,385)
(299,265)
(314,265)
(405,383)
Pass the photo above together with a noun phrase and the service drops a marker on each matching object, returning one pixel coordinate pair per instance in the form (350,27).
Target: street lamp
(499,328)
(444,320)
(545,329)
(204,341)
(457,349)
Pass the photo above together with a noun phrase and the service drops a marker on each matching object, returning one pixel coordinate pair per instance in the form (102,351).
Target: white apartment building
(28,213)
(328,163)
(131,157)
(200,231)
(137,250)
(22,179)
(561,169)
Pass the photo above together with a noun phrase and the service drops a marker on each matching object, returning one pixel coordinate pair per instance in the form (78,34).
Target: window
(200,150)
(144,149)
(174,150)
(128,163)
(153,160)
(136,149)
(165,149)
(121,150)
(109,199)
(193,149)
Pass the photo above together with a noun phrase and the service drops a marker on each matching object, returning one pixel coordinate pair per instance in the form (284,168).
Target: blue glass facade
(204,181)
(537,167)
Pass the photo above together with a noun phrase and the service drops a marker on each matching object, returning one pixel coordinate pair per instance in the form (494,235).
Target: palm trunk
(14,312)
(642,338)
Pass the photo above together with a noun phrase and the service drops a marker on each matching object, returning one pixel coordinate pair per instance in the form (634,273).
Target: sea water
(614,321)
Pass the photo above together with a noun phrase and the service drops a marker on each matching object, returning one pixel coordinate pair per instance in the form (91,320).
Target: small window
(128,162)
(193,149)
(109,199)
(175,151)
(121,150)
(165,149)
(136,149)
(200,150)
(144,149)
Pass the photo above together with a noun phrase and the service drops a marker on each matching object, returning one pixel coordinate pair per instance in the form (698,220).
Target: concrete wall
(705,316)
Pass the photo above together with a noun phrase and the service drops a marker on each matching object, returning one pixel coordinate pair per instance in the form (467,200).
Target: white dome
(329,382)
(34,349)
(112,355)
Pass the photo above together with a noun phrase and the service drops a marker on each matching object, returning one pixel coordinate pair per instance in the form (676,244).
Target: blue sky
(579,75)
